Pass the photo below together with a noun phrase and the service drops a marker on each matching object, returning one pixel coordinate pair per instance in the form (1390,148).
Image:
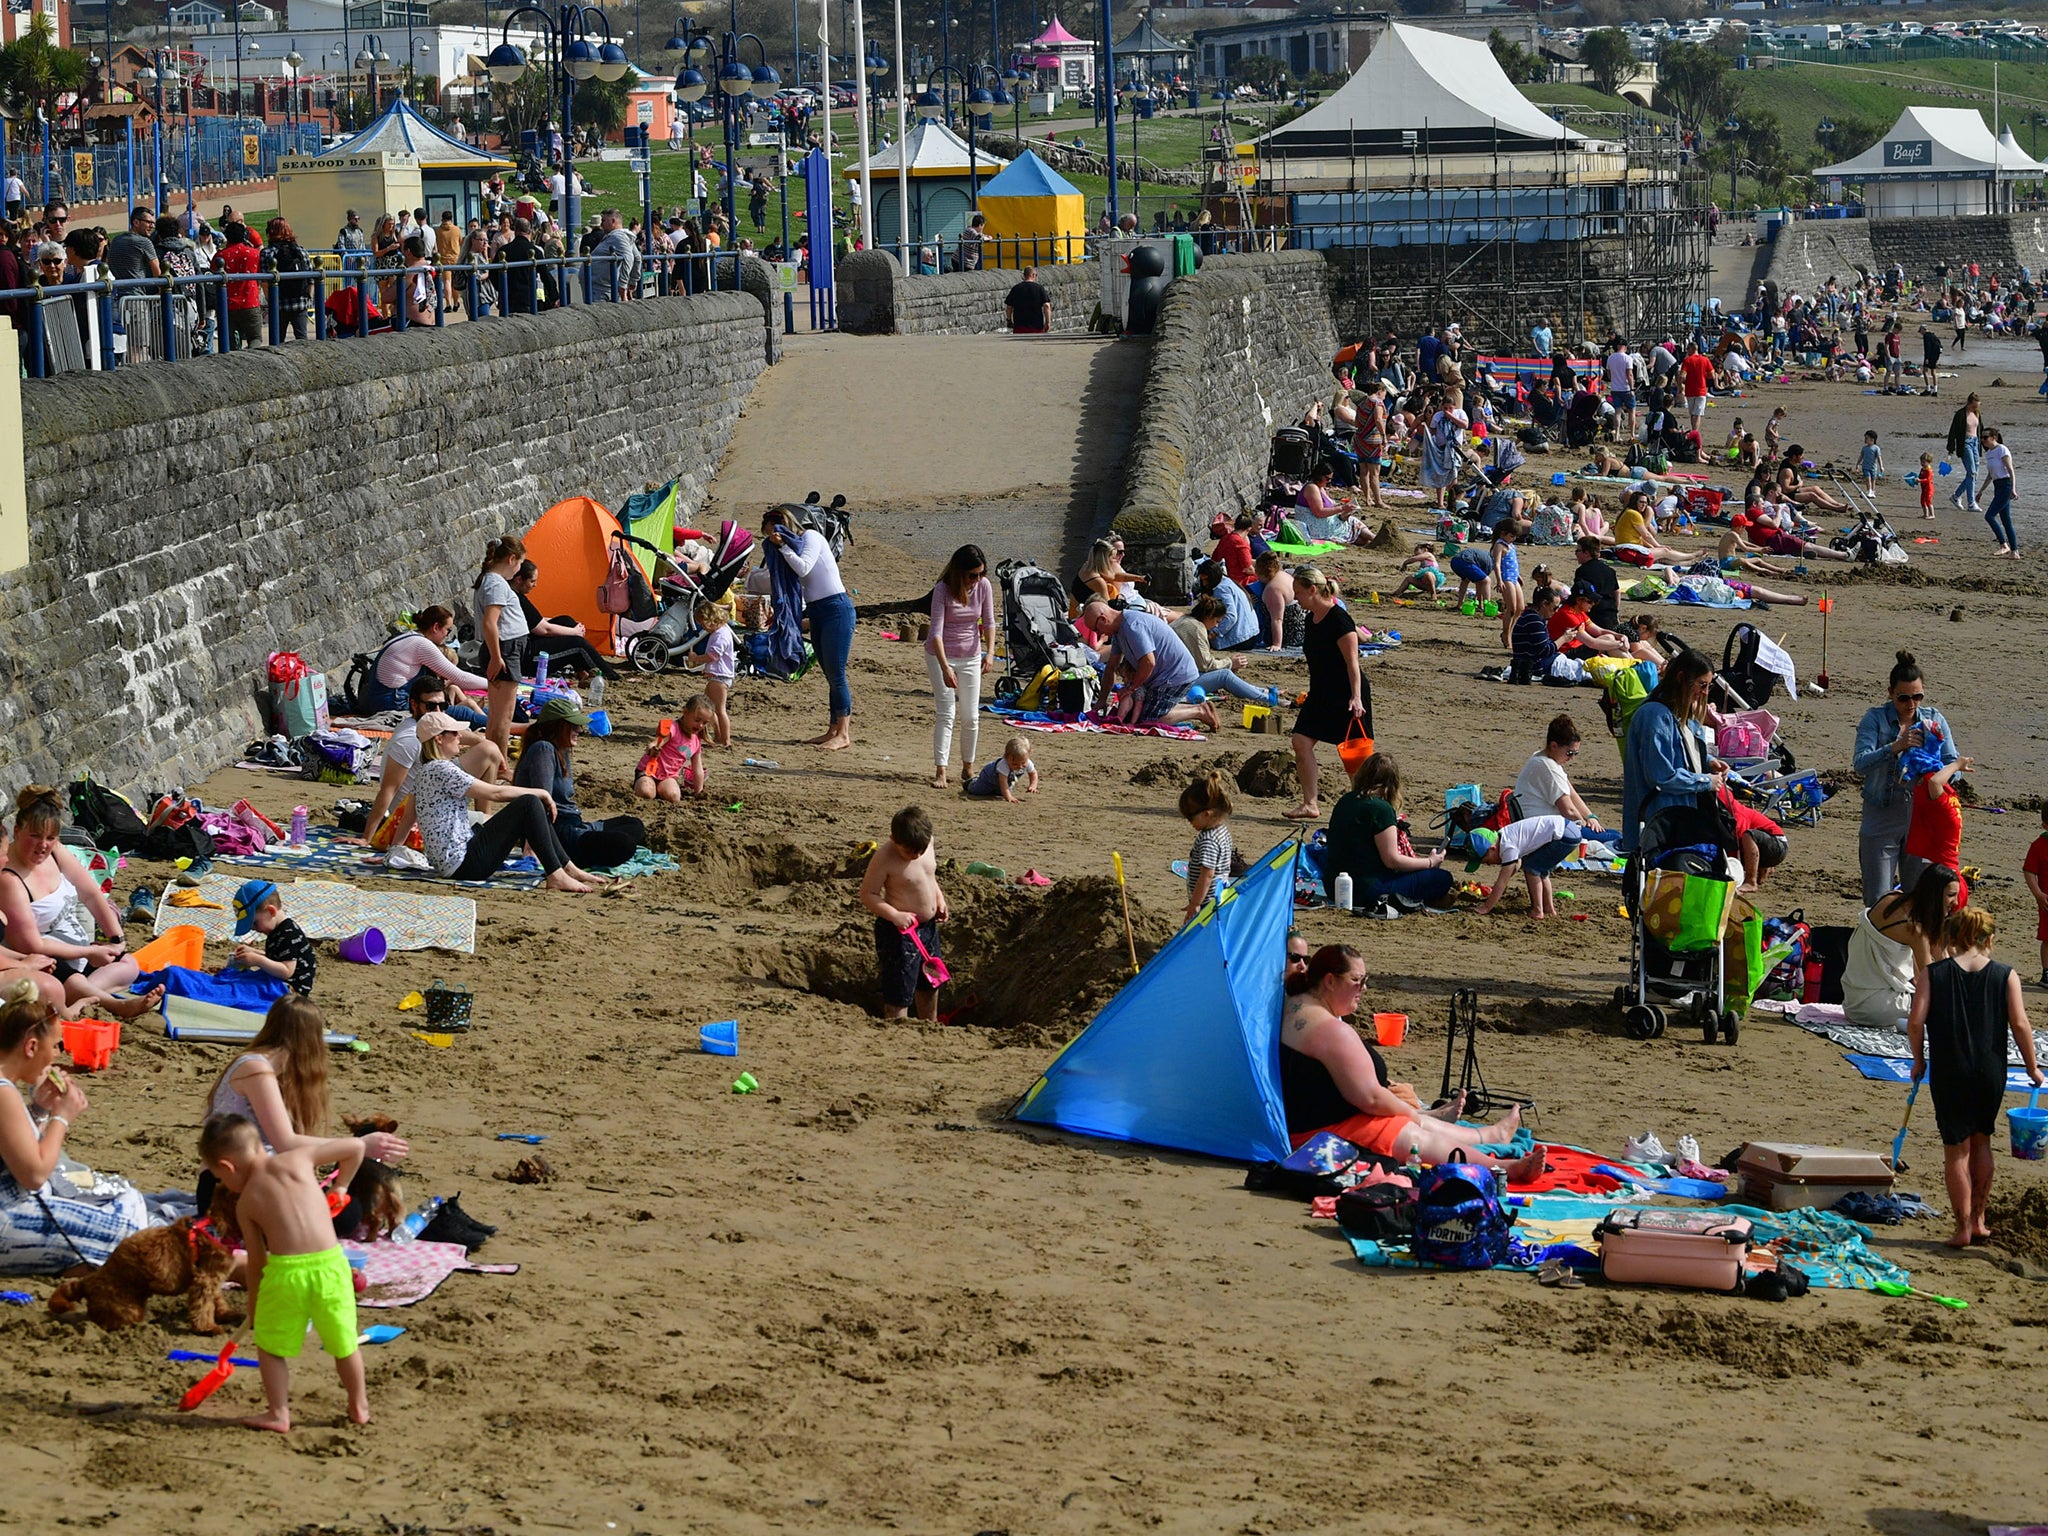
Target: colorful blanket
(331,849)
(1857,1040)
(1899,1069)
(1038,720)
(327,909)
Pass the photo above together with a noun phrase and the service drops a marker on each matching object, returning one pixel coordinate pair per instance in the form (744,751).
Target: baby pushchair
(1037,632)
(650,645)
(1676,964)
(834,519)
(1293,453)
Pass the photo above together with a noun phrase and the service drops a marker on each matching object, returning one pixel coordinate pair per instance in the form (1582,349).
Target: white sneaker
(403,857)
(1644,1149)
(1689,1150)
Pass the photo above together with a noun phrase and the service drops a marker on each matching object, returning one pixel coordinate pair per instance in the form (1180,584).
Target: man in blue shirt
(1885,733)
(1427,351)
(1540,334)
(1158,669)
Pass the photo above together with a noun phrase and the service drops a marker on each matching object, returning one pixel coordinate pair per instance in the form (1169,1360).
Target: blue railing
(212,153)
(169,319)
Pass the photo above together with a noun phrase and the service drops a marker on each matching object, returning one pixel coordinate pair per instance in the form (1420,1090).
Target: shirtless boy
(901,888)
(297,1272)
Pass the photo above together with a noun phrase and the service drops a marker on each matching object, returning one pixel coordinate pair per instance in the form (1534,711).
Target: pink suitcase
(1700,1250)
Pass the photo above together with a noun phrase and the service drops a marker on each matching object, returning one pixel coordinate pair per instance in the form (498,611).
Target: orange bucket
(92,1042)
(1392,1028)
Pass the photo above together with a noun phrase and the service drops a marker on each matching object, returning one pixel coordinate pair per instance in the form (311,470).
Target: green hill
(1803,94)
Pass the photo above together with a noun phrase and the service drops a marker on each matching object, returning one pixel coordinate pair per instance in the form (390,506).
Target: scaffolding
(1608,237)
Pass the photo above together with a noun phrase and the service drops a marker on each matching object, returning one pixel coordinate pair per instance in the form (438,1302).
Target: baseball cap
(1482,841)
(435,723)
(251,897)
(562,709)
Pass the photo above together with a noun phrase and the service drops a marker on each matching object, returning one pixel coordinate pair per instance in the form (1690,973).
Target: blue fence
(211,152)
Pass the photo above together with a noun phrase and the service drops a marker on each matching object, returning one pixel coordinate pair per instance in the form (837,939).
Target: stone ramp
(1015,442)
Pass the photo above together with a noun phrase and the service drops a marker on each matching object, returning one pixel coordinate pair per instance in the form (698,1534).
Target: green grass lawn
(1803,94)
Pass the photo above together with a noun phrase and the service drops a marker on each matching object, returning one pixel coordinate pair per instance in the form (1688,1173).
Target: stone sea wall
(186,520)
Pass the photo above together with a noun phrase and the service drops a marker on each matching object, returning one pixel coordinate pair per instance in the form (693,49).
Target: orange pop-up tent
(572,546)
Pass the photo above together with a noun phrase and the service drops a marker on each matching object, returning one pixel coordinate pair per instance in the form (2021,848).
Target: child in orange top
(1934,833)
(1925,480)
(2035,871)
(677,756)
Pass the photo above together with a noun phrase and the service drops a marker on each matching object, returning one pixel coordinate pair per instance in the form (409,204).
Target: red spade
(212,1381)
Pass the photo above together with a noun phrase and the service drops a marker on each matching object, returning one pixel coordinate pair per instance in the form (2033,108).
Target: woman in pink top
(963,630)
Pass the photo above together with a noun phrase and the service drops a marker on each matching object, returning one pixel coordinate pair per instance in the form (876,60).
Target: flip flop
(1032,877)
(1555,1272)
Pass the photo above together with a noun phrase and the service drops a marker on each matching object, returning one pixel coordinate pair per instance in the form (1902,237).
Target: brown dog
(189,1258)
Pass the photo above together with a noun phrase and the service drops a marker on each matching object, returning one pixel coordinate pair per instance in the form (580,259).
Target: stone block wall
(1810,251)
(1242,347)
(876,298)
(188,519)
(1996,242)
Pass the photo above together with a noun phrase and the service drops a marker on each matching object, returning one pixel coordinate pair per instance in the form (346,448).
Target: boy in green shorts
(297,1272)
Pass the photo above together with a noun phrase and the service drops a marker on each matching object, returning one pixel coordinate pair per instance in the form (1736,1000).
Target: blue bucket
(723,1039)
(600,723)
(2029,1130)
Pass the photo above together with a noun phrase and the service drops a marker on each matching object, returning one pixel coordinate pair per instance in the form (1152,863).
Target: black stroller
(1037,632)
(834,519)
(651,645)
(1676,845)
(1293,454)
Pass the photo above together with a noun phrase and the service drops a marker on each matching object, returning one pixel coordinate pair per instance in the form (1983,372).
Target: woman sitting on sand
(423,648)
(1325,518)
(441,792)
(1891,946)
(1793,487)
(1282,619)
(1330,1079)
(1761,534)
(51,904)
(1103,575)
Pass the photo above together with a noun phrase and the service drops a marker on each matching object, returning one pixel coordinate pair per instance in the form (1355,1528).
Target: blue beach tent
(1187,1054)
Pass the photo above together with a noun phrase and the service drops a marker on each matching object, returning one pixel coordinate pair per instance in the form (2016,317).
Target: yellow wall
(1011,218)
(314,195)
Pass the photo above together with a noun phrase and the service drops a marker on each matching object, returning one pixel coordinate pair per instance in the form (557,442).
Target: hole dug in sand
(1039,965)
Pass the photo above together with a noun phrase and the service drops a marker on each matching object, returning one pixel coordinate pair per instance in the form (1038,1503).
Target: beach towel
(242,987)
(331,849)
(1826,1019)
(1899,1069)
(328,909)
(1036,720)
(400,1274)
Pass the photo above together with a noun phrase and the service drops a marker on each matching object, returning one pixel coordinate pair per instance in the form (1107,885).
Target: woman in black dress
(1964,1009)
(1339,702)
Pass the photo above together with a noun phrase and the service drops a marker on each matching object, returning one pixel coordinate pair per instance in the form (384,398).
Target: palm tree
(35,72)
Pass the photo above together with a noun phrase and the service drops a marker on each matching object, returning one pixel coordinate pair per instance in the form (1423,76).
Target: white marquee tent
(1935,162)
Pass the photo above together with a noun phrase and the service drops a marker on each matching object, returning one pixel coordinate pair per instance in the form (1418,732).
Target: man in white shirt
(16,196)
(1621,390)
(480,759)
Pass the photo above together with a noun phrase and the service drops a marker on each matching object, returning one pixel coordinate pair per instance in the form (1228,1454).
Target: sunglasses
(1294,959)
(1908,698)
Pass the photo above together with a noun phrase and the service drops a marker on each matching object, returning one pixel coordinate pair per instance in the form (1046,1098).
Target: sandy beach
(862,1298)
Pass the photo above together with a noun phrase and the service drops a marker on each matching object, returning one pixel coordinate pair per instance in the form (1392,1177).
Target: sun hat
(435,723)
(563,709)
(1482,841)
(251,897)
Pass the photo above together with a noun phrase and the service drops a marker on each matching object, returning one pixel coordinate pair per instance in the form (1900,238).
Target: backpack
(1460,1222)
(106,816)
(625,590)
(1788,977)
(1382,1213)
(187,840)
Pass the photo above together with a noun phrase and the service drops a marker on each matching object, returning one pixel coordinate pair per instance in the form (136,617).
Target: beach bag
(1038,694)
(1551,525)
(188,840)
(1460,1222)
(1741,739)
(1380,1213)
(106,817)
(1686,913)
(1355,748)
(625,591)
(300,704)
(1788,977)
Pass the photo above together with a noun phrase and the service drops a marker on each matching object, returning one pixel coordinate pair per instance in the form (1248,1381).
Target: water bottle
(1413,1167)
(1343,892)
(540,671)
(298,826)
(596,699)
(409,1229)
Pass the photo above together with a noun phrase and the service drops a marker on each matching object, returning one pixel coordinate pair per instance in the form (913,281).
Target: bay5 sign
(1909,152)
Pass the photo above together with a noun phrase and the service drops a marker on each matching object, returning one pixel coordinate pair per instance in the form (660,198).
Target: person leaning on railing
(239,258)
(282,254)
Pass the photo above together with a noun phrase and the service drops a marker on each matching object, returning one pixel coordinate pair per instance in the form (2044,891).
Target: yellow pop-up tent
(1035,215)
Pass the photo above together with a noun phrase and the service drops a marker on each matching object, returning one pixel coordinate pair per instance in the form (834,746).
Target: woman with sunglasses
(1544,788)
(1887,731)
(1332,1080)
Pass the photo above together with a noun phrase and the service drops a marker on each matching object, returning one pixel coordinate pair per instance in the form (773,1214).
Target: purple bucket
(365,948)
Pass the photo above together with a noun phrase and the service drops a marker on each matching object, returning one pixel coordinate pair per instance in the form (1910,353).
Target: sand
(861,1298)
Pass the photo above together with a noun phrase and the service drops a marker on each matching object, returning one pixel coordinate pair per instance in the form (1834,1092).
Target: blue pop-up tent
(1187,1054)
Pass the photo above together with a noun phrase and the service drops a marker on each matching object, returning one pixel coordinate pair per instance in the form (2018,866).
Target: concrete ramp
(1015,442)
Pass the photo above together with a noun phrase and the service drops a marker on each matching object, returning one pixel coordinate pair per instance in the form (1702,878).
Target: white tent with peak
(1425,91)
(1936,162)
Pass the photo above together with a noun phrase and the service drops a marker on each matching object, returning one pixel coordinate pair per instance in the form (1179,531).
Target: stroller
(833,519)
(1670,975)
(1037,632)
(1293,455)
(650,644)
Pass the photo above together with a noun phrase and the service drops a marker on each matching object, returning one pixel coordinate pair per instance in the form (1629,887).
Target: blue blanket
(240,987)
(1899,1069)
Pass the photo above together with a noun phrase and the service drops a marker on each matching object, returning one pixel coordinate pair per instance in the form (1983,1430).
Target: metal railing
(112,323)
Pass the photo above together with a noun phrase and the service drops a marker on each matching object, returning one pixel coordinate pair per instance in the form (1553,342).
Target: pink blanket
(400,1274)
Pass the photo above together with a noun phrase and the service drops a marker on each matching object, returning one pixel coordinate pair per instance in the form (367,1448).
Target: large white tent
(1426,91)
(1935,162)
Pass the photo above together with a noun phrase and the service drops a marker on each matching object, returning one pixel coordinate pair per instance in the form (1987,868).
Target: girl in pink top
(963,631)
(677,756)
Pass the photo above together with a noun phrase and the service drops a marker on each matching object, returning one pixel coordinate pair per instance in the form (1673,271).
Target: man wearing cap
(286,953)
(480,759)
(1539,844)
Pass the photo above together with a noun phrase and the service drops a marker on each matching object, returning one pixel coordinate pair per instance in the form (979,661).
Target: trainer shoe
(1688,1149)
(1644,1149)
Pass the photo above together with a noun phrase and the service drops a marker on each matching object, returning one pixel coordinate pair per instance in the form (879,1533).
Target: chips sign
(1909,152)
(252,149)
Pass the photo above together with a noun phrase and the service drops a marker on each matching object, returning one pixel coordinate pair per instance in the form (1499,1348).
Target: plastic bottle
(540,672)
(410,1228)
(1810,993)
(1413,1167)
(298,826)
(1342,892)
(596,699)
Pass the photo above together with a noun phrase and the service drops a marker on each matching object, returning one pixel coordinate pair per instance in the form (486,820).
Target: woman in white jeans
(963,631)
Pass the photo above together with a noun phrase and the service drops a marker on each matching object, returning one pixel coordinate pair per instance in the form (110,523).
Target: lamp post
(422,46)
(737,82)
(408,47)
(982,101)
(1105,92)
(1138,101)
(237,5)
(371,56)
(571,58)
(872,67)
(1733,126)
(293,61)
